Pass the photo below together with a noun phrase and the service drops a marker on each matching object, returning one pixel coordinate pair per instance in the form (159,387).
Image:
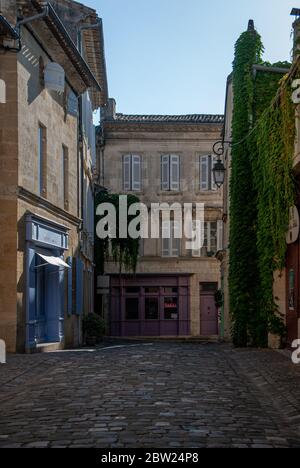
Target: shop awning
(55,261)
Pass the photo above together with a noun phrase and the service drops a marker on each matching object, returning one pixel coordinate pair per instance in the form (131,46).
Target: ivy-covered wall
(261,191)
(124,252)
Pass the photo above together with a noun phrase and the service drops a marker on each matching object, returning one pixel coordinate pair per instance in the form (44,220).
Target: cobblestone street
(160,395)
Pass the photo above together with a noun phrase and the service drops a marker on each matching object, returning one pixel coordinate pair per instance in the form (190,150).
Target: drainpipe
(22,22)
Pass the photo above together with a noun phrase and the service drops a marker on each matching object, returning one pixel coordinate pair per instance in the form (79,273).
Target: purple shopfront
(150,305)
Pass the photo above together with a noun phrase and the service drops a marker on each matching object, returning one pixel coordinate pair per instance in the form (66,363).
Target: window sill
(131,192)
(170,192)
(209,192)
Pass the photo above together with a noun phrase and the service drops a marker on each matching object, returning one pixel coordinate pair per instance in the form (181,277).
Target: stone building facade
(46,154)
(164,159)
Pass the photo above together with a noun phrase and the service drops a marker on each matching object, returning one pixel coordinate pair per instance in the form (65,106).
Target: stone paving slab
(164,395)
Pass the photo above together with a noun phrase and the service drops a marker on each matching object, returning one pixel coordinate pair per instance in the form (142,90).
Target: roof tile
(190,118)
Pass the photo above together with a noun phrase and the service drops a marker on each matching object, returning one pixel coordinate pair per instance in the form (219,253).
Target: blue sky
(173,56)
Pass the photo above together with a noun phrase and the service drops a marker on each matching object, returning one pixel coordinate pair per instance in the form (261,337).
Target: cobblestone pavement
(162,395)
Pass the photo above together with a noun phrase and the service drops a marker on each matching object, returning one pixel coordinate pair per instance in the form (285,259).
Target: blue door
(40,303)
(49,302)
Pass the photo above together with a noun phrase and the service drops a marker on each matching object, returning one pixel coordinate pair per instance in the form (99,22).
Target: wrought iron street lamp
(219,173)
(219,169)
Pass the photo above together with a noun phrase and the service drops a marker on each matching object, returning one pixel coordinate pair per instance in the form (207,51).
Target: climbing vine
(261,192)
(124,252)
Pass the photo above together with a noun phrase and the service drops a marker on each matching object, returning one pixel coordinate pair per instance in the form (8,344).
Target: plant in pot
(93,329)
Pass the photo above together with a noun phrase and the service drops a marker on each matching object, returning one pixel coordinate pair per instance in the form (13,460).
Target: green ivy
(261,192)
(125,252)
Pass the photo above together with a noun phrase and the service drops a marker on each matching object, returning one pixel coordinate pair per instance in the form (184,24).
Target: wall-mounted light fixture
(219,169)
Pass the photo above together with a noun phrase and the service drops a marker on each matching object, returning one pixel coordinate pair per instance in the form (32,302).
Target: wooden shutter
(136,173)
(175,172)
(220,235)
(208,237)
(204,180)
(213,162)
(127,173)
(166,241)
(195,252)
(165,172)
(70,285)
(206,243)
(175,242)
(79,286)
(42,149)
(65,177)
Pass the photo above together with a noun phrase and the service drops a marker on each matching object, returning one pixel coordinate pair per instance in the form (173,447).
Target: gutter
(264,69)
(10,30)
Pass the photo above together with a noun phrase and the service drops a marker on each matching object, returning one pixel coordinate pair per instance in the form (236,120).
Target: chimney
(251,25)
(296,27)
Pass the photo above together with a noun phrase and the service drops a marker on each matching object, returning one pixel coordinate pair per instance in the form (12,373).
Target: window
(132,308)
(171,308)
(170,290)
(132,290)
(170,172)
(206,175)
(152,290)
(151,308)
(65,177)
(72,104)
(171,245)
(213,239)
(131,173)
(42,160)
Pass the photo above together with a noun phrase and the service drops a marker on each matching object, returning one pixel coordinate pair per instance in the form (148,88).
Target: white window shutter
(220,235)
(213,162)
(175,172)
(204,168)
(208,237)
(195,252)
(175,241)
(165,173)
(126,172)
(136,173)
(166,239)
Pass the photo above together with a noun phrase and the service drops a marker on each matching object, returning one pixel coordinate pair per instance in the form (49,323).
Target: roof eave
(96,59)
(63,38)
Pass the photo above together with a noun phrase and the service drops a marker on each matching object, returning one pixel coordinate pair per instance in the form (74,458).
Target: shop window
(132,308)
(132,290)
(170,290)
(151,308)
(152,290)
(171,308)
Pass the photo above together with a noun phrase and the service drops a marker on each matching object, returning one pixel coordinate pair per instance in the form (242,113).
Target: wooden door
(208,315)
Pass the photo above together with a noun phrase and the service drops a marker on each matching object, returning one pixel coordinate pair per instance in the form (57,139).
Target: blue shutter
(72,104)
(79,286)
(70,285)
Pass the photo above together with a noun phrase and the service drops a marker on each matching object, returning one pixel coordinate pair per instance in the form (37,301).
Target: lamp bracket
(219,147)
